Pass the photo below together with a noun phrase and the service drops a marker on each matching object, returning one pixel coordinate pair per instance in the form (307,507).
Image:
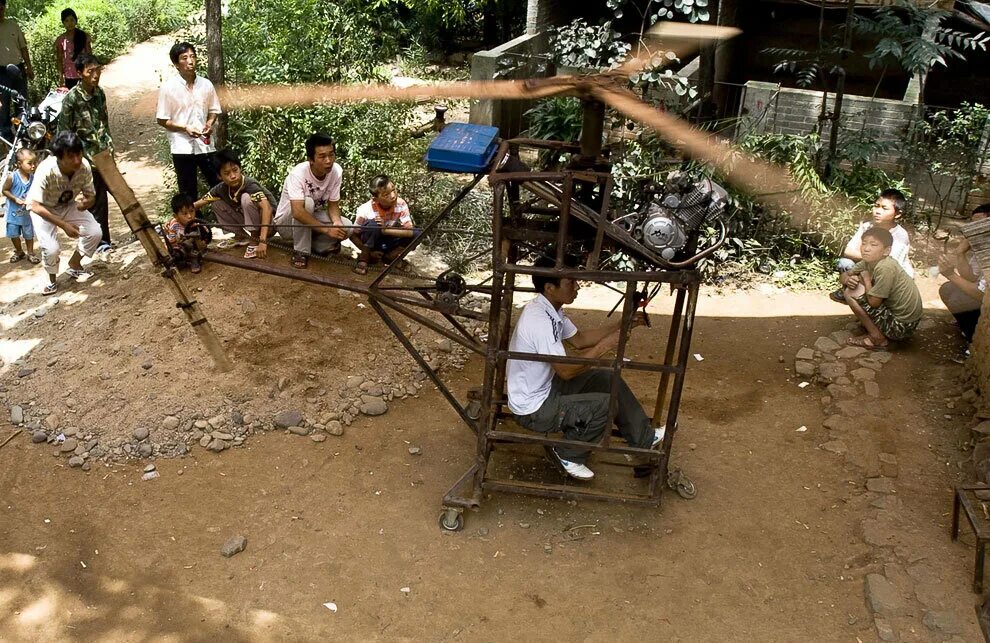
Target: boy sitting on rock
(883,297)
(384,210)
(185,235)
(886,210)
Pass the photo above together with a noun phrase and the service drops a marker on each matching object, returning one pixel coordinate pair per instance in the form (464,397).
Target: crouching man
(572,398)
(60,197)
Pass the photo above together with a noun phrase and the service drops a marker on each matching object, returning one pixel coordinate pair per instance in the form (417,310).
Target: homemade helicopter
(557,214)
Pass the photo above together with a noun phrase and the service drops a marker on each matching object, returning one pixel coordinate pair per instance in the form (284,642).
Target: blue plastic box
(462,147)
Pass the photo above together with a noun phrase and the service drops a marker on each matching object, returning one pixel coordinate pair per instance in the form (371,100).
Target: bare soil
(771,549)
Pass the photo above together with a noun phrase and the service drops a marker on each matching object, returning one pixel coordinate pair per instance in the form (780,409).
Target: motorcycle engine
(673,212)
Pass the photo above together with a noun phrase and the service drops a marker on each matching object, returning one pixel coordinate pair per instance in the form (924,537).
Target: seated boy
(185,235)
(962,294)
(883,297)
(886,210)
(384,210)
(241,205)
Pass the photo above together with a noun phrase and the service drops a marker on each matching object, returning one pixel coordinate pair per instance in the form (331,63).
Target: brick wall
(768,107)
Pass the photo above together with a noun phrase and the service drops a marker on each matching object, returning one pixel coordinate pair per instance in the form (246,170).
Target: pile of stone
(845,371)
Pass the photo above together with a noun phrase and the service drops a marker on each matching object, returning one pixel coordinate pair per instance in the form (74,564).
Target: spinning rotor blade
(680,38)
(768,182)
(258,96)
(248,97)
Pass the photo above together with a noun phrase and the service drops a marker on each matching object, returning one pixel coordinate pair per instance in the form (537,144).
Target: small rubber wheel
(473,409)
(451,520)
(686,489)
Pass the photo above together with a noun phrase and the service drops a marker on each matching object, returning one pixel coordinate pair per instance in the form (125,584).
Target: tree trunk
(840,85)
(215,71)
(706,70)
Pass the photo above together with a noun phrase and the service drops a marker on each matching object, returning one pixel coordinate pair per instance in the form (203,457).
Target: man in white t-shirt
(573,398)
(309,207)
(59,197)
(187,108)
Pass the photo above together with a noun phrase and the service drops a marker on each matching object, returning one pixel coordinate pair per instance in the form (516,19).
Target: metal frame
(552,218)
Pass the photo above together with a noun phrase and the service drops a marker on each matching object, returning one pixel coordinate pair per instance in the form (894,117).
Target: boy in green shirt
(883,297)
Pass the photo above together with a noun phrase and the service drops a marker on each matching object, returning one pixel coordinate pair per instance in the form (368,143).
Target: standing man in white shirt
(310,203)
(188,106)
(573,398)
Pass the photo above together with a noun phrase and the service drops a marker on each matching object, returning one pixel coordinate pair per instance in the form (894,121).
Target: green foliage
(946,147)
(585,46)
(902,28)
(113,27)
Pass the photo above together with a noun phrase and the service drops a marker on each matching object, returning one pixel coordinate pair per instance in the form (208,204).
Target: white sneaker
(658,434)
(575,470)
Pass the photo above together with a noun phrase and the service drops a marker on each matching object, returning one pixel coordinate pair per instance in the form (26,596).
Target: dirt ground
(771,549)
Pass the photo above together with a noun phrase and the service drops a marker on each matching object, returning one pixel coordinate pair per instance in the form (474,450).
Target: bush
(113,27)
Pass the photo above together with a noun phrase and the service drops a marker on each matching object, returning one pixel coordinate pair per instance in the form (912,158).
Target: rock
(69,445)
(840,337)
(145,449)
(970,395)
(16,415)
(70,431)
(884,630)
(926,323)
(373,405)
(147,365)
(849,352)
(863,374)
(237,418)
(299,430)
(86,466)
(222,435)
(149,467)
(837,422)
(445,345)
(39,436)
(334,427)
(415,451)
(888,465)
(826,345)
(24,372)
(205,441)
(285,419)
(319,437)
(831,370)
(880,485)
(843,381)
(150,475)
(170,423)
(981,430)
(869,363)
(882,596)
(354,381)
(872,389)
(233,546)
(879,534)
(202,425)
(140,433)
(76,462)
(804,369)
(805,354)
(216,446)
(882,356)
(944,622)
(217,421)
(838,392)
(835,446)
(886,502)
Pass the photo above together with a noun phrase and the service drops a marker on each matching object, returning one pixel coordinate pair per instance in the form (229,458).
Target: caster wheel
(451,520)
(473,410)
(686,489)
(680,483)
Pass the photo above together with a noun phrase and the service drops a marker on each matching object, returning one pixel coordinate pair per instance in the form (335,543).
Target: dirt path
(772,549)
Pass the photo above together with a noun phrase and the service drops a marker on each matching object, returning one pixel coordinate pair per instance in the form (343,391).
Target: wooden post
(215,72)
(138,221)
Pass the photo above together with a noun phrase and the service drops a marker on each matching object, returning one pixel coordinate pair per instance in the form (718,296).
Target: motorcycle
(31,126)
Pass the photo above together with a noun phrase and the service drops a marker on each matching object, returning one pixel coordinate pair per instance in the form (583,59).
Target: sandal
(17,256)
(225,244)
(361,268)
(866,342)
(251,252)
(50,289)
(838,296)
(80,274)
(299,261)
(33,258)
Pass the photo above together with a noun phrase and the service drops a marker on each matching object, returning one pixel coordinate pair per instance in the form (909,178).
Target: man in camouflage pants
(84,111)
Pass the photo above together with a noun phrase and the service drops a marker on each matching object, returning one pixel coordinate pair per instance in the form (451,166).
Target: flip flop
(867,343)
(33,259)
(361,268)
(299,261)
(17,257)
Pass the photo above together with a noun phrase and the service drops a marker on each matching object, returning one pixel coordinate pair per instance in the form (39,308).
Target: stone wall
(768,107)
(525,54)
